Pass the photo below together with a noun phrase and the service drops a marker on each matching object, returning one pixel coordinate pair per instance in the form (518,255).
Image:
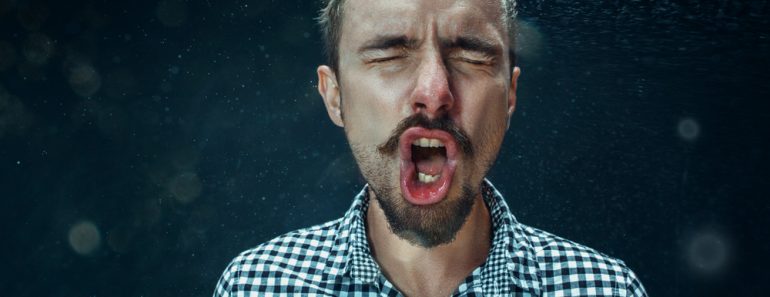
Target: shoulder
(575,268)
(293,260)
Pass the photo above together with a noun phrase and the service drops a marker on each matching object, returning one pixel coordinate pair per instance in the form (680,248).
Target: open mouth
(428,160)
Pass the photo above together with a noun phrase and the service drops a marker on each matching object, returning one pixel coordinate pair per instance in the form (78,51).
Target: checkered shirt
(334,259)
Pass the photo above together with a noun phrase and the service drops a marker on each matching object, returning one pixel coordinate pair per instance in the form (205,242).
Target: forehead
(450,18)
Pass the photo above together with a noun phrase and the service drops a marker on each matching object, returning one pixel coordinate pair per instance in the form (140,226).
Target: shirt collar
(511,261)
(351,254)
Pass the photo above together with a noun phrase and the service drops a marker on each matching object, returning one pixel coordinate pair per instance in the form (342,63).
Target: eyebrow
(383,42)
(472,43)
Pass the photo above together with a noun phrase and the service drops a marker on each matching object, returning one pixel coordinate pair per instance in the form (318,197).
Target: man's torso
(333,259)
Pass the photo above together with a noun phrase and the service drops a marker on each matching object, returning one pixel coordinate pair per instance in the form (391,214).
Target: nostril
(419,106)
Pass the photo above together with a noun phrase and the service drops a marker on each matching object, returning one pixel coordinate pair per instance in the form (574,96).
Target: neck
(436,271)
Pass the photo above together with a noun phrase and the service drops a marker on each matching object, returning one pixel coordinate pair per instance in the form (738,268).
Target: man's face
(426,94)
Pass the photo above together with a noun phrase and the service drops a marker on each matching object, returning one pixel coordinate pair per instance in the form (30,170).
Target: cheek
(370,111)
(485,113)
(363,122)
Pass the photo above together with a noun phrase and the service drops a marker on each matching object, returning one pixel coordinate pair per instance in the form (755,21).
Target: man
(424,90)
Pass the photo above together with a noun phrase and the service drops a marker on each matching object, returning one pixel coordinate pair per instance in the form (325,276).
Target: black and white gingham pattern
(333,259)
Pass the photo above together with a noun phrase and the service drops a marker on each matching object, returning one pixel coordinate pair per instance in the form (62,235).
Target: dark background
(145,144)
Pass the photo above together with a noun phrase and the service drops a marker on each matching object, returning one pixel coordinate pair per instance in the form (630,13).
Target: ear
(512,93)
(329,90)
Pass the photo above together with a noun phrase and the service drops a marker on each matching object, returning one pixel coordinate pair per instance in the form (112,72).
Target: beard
(422,225)
(426,226)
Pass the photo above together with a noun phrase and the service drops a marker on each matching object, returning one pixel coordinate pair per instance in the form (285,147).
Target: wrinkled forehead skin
(365,19)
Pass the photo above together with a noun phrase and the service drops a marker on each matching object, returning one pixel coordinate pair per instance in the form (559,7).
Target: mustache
(390,147)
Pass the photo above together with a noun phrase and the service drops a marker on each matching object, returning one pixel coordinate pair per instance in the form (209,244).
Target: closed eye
(384,59)
(474,59)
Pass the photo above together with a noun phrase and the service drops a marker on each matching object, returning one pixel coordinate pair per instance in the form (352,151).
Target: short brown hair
(330,21)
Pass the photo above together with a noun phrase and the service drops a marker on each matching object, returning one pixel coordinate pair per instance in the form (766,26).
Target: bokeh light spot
(185,187)
(14,117)
(707,252)
(688,129)
(171,13)
(38,48)
(84,238)
(84,79)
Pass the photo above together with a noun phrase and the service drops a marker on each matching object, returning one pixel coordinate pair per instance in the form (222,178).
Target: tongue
(431,165)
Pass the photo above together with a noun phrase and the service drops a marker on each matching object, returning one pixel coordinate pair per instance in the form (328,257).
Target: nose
(432,94)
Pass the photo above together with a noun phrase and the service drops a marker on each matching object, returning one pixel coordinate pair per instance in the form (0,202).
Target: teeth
(425,142)
(426,178)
